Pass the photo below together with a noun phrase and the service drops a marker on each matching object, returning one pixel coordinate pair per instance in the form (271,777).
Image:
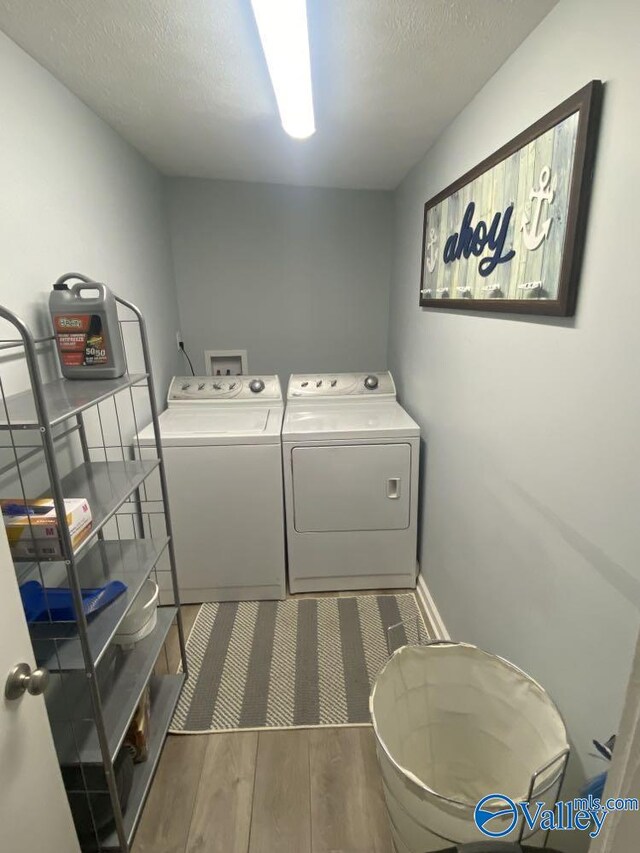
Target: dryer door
(351,487)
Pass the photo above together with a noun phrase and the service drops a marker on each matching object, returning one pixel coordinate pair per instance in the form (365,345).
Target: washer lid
(213,425)
(381,420)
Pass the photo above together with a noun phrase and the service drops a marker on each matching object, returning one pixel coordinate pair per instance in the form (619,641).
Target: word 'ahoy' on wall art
(508,236)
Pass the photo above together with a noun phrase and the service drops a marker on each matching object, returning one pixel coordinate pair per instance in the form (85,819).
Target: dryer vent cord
(184,352)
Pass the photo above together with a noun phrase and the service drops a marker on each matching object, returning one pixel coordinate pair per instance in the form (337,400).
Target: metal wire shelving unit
(84,431)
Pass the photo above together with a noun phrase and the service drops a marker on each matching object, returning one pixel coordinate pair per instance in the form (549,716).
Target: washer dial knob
(256,385)
(371,382)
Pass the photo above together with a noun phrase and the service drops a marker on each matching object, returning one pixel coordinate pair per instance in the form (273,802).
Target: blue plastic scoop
(55,604)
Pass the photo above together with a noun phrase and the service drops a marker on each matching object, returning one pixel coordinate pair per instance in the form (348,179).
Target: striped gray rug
(290,664)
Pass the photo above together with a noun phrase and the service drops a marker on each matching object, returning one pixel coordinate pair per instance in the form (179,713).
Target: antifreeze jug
(85,324)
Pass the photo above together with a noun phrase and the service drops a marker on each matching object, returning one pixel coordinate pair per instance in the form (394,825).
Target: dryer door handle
(393,488)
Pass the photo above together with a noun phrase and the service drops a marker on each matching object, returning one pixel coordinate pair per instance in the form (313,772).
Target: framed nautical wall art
(509,235)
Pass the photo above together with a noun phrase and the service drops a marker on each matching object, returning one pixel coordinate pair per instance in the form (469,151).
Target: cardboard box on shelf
(33,528)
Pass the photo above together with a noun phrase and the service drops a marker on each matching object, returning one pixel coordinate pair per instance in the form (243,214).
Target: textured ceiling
(185,81)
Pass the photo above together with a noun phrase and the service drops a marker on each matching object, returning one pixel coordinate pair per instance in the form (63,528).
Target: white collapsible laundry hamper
(454,724)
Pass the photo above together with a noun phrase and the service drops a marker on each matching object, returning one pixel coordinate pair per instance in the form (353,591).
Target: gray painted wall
(75,196)
(530,502)
(297,276)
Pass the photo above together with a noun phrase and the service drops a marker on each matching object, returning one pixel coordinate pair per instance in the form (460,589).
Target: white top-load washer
(223,459)
(351,456)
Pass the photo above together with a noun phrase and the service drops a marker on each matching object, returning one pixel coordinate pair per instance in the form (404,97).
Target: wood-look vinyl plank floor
(166,820)
(221,818)
(281,815)
(348,813)
(303,790)
(294,791)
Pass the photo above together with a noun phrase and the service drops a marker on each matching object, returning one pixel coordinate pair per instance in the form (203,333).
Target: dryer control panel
(321,386)
(213,389)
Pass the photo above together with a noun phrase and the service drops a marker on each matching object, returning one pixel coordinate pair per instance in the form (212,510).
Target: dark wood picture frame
(587,102)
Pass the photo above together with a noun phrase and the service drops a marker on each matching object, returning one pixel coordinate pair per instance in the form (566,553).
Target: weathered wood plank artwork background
(509,235)
(526,196)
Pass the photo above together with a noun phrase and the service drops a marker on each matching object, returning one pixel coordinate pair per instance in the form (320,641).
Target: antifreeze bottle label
(82,341)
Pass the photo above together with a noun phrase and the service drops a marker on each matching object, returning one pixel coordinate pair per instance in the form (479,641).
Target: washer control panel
(323,385)
(211,389)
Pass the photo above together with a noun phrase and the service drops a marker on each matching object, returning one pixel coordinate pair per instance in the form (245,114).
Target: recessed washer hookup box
(33,528)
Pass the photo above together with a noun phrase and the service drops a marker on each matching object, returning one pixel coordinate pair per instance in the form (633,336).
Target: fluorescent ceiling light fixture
(284,34)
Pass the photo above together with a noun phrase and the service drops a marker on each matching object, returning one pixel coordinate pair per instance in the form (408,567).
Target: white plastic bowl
(141,617)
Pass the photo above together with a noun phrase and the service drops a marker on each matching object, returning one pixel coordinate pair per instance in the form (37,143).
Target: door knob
(22,678)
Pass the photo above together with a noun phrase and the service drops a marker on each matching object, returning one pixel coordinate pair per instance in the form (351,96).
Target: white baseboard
(433,614)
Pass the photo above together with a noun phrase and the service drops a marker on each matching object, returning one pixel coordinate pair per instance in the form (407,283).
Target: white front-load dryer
(223,459)
(351,459)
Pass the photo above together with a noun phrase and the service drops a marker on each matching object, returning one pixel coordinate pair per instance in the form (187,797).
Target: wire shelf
(78,439)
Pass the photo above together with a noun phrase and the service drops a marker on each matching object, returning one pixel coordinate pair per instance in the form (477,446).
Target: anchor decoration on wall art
(533,234)
(509,235)
(431,250)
